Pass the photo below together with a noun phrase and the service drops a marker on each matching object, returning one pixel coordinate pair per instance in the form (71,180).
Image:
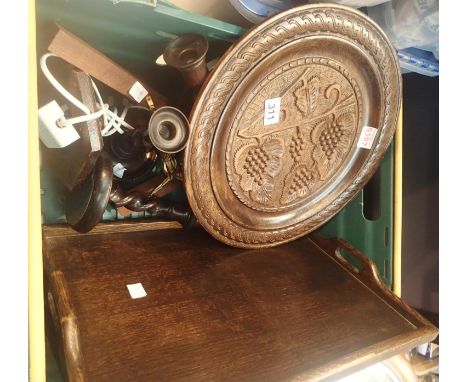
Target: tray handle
(369,274)
(65,321)
(368,268)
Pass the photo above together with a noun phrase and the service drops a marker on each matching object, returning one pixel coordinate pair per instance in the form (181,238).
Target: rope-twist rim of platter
(295,23)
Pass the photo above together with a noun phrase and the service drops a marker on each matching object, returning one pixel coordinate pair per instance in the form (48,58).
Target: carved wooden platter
(290,125)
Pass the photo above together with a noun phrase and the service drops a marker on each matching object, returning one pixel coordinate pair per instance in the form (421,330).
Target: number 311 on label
(272,111)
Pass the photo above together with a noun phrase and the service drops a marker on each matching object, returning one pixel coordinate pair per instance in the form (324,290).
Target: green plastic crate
(374,237)
(134,33)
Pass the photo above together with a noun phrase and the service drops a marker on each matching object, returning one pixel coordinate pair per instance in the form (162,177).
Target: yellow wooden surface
(398,205)
(35,288)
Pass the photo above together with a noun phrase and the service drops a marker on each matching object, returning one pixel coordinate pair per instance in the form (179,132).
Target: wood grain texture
(63,316)
(215,313)
(111,227)
(80,54)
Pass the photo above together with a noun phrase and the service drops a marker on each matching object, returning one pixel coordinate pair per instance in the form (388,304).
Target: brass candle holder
(188,55)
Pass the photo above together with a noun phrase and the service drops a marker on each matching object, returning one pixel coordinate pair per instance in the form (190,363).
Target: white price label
(136,290)
(138,92)
(272,111)
(118,170)
(366,139)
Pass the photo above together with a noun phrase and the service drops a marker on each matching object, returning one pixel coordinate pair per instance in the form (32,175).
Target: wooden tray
(291,124)
(216,313)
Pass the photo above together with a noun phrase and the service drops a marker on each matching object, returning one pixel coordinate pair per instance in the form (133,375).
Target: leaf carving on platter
(306,95)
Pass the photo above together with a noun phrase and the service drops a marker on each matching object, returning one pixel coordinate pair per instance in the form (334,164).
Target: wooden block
(73,164)
(82,55)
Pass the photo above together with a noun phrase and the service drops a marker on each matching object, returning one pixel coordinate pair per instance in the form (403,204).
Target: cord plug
(52,132)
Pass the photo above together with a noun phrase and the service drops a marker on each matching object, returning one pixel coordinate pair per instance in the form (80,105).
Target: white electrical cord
(112,121)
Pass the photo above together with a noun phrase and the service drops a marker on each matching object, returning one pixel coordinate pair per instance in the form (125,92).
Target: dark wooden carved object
(187,54)
(86,203)
(138,201)
(291,124)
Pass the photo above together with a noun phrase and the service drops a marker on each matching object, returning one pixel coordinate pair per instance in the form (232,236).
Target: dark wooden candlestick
(137,201)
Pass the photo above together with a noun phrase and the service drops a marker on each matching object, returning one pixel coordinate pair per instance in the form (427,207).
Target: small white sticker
(422,349)
(272,111)
(119,170)
(367,137)
(138,92)
(136,290)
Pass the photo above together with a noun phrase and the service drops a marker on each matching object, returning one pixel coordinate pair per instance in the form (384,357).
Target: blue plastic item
(409,23)
(257,11)
(418,61)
